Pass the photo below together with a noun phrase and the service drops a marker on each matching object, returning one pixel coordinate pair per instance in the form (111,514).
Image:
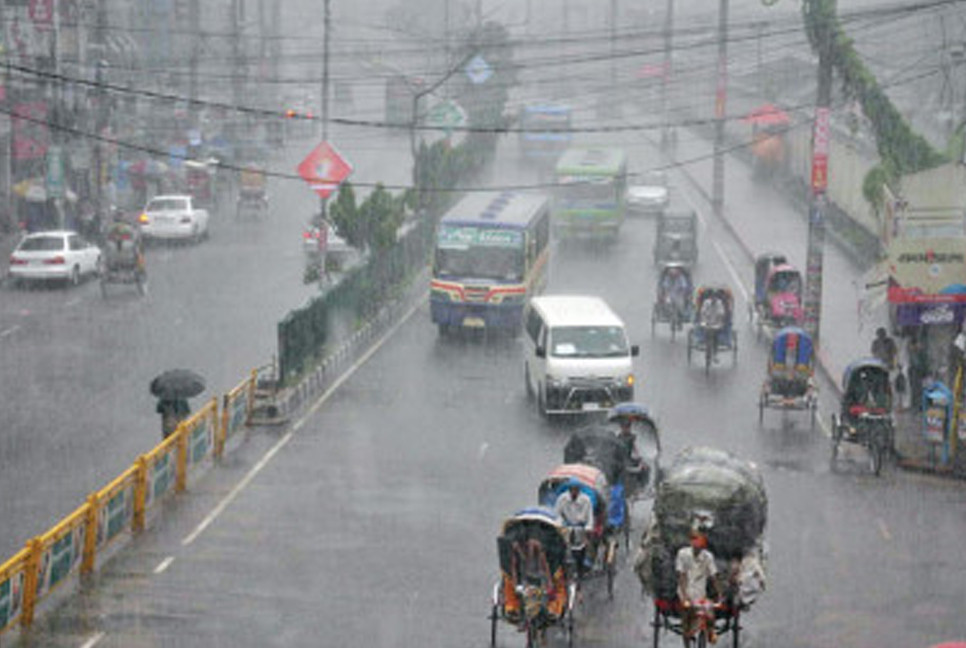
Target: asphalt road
(372,520)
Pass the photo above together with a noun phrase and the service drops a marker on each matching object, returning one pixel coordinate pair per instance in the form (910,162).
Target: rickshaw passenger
(867,394)
(713,312)
(634,464)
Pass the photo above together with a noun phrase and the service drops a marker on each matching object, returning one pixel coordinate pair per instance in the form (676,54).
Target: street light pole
(326,27)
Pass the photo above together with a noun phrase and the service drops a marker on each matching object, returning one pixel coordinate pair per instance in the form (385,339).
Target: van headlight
(629,380)
(556,382)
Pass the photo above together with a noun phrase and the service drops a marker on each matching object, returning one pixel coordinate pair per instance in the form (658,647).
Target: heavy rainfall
(483,322)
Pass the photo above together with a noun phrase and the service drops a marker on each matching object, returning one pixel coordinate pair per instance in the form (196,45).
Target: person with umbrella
(173,388)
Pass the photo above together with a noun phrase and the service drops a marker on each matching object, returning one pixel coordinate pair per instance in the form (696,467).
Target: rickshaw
(602,542)
(865,416)
(724,497)
(720,331)
(535,591)
(677,238)
(199,180)
(252,197)
(673,305)
(778,294)
(123,257)
(790,383)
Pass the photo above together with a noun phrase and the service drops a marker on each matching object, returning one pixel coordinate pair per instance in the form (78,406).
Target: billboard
(927,270)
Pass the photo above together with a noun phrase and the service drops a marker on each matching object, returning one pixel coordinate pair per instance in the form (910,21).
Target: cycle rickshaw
(865,416)
(252,194)
(716,328)
(535,591)
(676,238)
(123,258)
(602,542)
(723,496)
(790,383)
(674,294)
(778,294)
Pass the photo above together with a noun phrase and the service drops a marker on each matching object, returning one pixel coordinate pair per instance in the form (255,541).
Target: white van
(578,358)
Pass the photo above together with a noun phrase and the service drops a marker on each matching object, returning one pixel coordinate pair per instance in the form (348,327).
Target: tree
(371,225)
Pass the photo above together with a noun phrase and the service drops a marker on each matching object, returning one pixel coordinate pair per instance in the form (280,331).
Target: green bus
(589,198)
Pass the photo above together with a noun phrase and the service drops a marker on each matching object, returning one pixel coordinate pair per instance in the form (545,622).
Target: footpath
(846,333)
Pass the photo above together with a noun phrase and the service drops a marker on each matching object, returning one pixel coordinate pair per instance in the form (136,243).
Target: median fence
(73,546)
(304,332)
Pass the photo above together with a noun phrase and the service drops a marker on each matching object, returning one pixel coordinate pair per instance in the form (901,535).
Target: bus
(590,187)
(544,132)
(491,255)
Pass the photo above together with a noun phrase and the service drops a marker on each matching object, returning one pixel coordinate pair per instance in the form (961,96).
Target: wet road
(372,521)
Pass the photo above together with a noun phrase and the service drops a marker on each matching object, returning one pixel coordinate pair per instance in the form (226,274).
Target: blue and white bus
(491,255)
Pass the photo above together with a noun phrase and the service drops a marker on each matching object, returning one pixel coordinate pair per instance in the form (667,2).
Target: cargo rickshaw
(123,258)
(252,194)
(790,383)
(676,238)
(778,294)
(713,328)
(675,292)
(535,591)
(865,416)
(602,542)
(724,498)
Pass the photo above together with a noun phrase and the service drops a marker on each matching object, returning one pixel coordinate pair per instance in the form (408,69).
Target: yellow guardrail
(73,545)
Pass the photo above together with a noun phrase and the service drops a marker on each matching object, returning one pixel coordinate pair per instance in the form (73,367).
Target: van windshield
(588,342)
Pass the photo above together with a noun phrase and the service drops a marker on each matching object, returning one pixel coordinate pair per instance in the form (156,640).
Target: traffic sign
(324,169)
(446,115)
(478,70)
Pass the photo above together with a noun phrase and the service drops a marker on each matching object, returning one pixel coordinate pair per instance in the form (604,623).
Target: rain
(312,313)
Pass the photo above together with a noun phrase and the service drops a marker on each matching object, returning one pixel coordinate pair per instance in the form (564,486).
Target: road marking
(164,564)
(10,331)
(883,529)
(72,302)
(823,427)
(483,448)
(93,641)
(240,486)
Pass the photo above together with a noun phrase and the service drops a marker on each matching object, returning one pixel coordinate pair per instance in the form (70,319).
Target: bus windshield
(536,122)
(588,342)
(464,251)
(586,190)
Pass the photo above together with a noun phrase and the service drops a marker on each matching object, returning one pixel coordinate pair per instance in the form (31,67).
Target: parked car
(173,217)
(649,195)
(61,255)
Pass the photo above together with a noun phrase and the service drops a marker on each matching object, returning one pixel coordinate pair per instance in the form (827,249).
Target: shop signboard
(927,270)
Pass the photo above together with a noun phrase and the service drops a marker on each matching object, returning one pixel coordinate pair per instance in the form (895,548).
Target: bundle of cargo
(723,495)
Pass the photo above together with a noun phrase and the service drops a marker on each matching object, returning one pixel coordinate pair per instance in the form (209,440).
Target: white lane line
(10,331)
(823,427)
(240,486)
(72,302)
(883,529)
(93,641)
(163,565)
(228,499)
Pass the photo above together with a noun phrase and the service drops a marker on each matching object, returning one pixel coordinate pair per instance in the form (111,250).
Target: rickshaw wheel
(656,624)
(690,344)
(104,286)
(875,455)
(734,347)
(833,461)
(653,322)
(736,630)
(761,409)
(570,629)
(494,617)
(813,408)
(709,345)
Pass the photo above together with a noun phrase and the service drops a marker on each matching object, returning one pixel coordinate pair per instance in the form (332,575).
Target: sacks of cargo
(726,497)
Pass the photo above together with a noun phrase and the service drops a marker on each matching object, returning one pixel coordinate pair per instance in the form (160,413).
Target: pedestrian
(172,411)
(884,348)
(918,369)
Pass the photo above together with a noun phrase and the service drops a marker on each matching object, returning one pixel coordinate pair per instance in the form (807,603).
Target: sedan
(175,218)
(59,255)
(650,195)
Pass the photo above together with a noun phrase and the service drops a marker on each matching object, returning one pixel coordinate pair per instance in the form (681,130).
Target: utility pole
(717,190)
(326,37)
(236,90)
(665,77)
(820,152)
(613,54)
(101,119)
(194,17)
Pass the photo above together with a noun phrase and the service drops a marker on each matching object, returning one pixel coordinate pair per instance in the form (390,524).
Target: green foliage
(902,150)
(371,224)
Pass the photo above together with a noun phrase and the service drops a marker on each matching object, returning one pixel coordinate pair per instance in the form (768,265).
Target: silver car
(650,195)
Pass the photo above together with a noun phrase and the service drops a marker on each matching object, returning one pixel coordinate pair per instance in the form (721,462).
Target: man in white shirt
(694,566)
(575,511)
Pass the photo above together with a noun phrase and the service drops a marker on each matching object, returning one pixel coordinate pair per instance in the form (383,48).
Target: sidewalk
(844,337)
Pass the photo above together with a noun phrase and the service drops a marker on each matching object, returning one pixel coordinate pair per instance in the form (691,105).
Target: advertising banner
(11,599)
(116,516)
(30,133)
(60,559)
(927,270)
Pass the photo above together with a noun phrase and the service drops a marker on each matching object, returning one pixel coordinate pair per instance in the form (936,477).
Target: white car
(61,255)
(173,218)
(650,195)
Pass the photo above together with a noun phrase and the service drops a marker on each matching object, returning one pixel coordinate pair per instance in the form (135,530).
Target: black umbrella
(177,383)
